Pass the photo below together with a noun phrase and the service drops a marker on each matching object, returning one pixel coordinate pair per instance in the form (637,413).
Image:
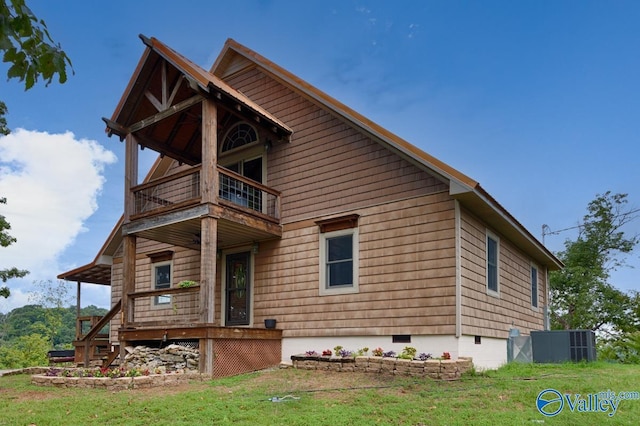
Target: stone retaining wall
(434,368)
(121,383)
(169,358)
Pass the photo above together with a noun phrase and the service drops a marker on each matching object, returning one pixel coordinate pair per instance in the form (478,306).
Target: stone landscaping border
(120,383)
(433,368)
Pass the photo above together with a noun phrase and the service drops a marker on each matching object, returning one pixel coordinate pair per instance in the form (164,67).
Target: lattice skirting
(237,356)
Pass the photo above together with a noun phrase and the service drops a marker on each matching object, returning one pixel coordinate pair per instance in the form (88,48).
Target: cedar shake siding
(487,315)
(407,275)
(328,167)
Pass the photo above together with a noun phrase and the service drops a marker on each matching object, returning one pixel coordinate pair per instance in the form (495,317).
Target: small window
(534,287)
(493,255)
(339,261)
(162,280)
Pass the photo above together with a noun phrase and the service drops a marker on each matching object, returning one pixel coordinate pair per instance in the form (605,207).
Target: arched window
(239,135)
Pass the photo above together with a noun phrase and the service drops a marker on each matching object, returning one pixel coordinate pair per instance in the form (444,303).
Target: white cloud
(51,182)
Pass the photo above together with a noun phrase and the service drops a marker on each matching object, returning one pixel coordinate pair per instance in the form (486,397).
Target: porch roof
(161,104)
(98,271)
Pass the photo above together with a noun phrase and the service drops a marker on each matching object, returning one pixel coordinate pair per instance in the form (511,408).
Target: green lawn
(503,397)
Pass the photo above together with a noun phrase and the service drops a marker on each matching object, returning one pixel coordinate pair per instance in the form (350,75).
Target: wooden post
(129,253)
(209,170)
(130,175)
(78,324)
(208,230)
(128,278)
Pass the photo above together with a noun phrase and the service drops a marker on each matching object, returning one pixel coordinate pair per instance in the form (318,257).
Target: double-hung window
(339,261)
(162,280)
(493,264)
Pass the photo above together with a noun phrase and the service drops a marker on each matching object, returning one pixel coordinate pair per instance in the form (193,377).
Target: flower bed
(443,369)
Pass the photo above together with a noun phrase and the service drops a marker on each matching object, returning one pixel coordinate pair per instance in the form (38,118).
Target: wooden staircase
(92,345)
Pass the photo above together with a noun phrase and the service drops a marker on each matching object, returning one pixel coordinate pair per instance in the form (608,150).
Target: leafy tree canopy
(6,240)
(32,54)
(581,295)
(29,48)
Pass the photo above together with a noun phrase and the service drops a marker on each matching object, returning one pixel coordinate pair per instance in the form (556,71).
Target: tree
(29,48)
(25,351)
(53,297)
(5,241)
(581,295)
(26,45)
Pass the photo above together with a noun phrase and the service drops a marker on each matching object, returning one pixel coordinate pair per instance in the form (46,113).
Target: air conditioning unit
(563,345)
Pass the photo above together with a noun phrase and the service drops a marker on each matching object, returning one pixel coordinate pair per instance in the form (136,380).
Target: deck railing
(168,192)
(247,193)
(183,188)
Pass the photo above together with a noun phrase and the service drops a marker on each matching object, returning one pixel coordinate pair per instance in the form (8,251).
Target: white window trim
(154,299)
(324,290)
(223,277)
(535,307)
(494,237)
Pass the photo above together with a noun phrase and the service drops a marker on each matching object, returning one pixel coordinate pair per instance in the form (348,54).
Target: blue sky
(537,100)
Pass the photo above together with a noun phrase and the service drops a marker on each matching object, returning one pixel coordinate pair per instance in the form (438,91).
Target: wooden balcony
(169,209)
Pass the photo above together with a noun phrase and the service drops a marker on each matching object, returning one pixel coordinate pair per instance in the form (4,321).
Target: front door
(237,289)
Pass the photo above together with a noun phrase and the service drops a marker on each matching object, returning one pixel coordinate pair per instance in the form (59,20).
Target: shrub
(408,352)
(624,349)
(25,351)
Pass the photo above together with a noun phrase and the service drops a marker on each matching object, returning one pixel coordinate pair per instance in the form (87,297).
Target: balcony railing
(248,194)
(183,189)
(168,192)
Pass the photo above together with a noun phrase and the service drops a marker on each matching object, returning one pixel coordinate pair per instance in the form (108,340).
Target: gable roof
(205,81)
(463,188)
(235,57)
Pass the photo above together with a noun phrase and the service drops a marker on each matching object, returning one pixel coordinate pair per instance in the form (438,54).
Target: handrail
(167,178)
(248,181)
(96,328)
(162,292)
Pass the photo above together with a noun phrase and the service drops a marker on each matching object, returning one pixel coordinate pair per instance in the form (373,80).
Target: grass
(503,397)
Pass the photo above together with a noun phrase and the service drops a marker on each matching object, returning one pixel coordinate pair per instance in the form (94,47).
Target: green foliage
(581,296)
(5,241)
(408,352)
(29,48)
(32,319)
(52,296)
(25,351)
(624,349)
